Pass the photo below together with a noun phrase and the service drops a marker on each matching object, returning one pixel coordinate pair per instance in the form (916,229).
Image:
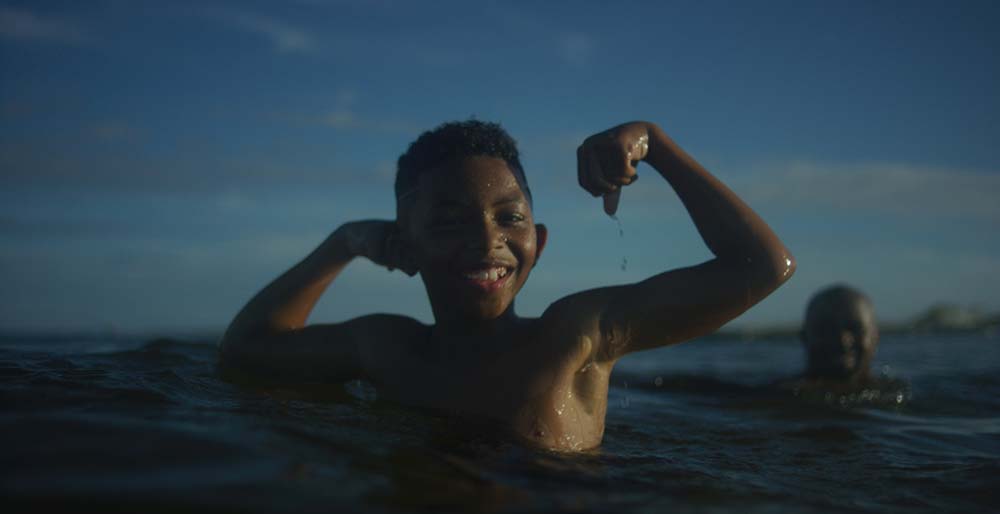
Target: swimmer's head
(840,333)
(465,220)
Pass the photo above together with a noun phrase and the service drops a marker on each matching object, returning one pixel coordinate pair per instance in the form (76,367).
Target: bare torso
(542,385)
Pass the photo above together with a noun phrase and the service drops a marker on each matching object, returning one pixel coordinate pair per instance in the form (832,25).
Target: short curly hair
(450,142)
(837,296)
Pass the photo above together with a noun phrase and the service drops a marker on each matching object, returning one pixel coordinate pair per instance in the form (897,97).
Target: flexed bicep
(678,305)
(750,261)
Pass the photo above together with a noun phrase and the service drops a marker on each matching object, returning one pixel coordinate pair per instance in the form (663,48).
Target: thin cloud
(24,228)
(112,131)
(28,26)
(898,189)
(893,189)
(575,49)
(347,120)
(283,37)
(345,117)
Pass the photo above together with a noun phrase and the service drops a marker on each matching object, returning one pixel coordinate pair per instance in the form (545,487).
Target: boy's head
(465,219)
(450,143)
(840,333)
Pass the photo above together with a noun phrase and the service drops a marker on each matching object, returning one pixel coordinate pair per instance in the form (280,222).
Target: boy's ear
(404,256)
(541,237)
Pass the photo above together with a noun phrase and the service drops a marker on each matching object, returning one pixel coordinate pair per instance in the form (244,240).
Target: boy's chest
(494,384)
(551,394)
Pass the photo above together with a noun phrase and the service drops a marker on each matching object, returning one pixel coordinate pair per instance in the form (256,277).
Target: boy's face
(841,339)
(470,232)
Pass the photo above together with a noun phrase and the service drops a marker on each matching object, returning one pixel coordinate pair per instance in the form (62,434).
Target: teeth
(492,274)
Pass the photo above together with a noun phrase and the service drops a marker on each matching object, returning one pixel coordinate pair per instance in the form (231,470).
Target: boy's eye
(511,218)
(445,224)
(447,221)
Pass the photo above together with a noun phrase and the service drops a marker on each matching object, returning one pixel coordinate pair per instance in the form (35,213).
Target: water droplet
(899,397)
(361,390)
(621,229)
(621,235)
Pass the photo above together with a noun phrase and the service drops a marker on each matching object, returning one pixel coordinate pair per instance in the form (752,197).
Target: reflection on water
(699,427)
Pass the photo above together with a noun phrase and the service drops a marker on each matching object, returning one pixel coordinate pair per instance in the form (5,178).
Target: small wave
(829,433)
(169,352)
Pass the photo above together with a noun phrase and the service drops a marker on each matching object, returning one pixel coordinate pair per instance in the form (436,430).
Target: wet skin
(465,222)
(840,340)
(469,232)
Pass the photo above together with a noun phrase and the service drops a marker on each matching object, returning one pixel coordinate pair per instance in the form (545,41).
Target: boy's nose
(847,339)
(487,237)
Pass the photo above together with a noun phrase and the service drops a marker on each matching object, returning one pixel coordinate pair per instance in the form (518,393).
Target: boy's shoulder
(582,319)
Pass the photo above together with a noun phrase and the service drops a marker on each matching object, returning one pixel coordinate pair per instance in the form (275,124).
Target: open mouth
(487,278)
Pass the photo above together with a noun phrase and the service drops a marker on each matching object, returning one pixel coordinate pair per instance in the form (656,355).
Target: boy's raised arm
(750,261)
(268,338)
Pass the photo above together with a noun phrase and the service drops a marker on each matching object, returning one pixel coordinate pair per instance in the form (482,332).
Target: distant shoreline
(939,319)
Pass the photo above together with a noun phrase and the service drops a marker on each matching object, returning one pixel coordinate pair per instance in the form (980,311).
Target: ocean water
(131,424)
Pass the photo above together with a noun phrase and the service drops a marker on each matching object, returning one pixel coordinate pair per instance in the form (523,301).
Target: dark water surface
(125,424)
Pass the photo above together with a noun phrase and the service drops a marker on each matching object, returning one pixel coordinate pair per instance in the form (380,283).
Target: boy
(464,223)
(840,336)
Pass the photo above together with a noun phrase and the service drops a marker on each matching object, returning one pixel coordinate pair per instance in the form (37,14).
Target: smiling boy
(840,335)
(464,224)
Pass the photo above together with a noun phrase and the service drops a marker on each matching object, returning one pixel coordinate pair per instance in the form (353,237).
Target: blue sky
(162,161)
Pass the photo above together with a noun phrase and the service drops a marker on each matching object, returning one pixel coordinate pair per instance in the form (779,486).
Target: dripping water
(621,235)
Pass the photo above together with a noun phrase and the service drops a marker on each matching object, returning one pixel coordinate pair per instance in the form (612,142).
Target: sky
(160,162)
